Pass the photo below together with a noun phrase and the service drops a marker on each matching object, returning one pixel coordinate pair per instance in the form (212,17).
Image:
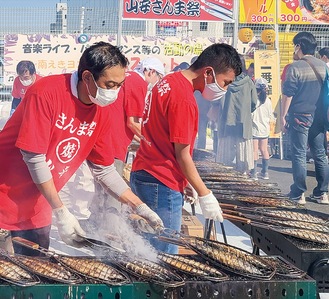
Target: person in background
(324,55)
(61,122)
(261,119)
(125,125)
(163,163)
(302,116)
(203,106)
(27,76)
(251,71)
(235,124)
(182,66)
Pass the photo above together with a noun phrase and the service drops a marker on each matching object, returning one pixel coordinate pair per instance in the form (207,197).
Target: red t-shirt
(19,89)
(130,102)
(170,116)
(52,121)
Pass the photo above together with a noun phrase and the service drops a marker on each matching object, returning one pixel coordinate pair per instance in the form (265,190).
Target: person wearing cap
(261,118)
(163,165)
(27,76)
(125,125)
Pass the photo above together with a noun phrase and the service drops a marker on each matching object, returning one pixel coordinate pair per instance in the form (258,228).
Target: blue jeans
(318,142)
(299,126)
(167,203)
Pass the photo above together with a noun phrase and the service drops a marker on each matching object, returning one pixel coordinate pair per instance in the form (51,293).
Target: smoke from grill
(117,230)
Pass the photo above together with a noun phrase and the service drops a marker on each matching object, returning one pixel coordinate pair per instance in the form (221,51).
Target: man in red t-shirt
(125,124)
(163,164)
(62,121)
(27,76)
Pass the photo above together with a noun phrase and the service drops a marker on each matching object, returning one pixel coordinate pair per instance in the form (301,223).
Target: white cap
(150,63)
(261,83)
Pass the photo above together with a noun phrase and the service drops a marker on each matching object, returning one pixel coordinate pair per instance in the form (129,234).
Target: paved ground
(280,172)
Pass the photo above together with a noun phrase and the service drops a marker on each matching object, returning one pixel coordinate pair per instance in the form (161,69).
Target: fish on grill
(292,215)
(298,224)
(46,268)
(265,201)
(150,271)
(231,258)
(93,269)
(15,274)
(285,269)
(308,235)
(192,267)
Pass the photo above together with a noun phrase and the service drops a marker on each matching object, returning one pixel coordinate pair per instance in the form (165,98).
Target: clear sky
(52,3)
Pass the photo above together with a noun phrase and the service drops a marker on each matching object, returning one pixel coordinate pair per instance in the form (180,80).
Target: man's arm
(68,226)
(115,185)
(285,104)
(208,202)
(186,163)
(134,124)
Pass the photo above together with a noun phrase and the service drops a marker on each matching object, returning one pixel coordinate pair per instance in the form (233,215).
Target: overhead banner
(56,54)
(267,64)
(303,12)
(258,12)
(182,10)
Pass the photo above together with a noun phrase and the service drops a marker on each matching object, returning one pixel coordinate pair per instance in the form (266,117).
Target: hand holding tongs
(141,224)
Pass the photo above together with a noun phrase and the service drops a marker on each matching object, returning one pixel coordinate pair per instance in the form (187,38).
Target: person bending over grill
(163,163)
(62,121)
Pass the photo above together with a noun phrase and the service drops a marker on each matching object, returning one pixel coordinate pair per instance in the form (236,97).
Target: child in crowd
(261,118)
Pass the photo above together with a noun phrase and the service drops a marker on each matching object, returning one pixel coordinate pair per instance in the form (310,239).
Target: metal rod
(223,232)
(209,228)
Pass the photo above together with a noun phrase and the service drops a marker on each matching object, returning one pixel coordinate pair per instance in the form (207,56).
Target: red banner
(182,10)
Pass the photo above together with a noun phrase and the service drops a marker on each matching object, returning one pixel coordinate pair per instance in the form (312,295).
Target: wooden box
(191,226)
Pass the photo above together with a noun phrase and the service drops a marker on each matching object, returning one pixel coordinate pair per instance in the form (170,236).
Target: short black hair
(306,41)
(324,51)
(221,57)
(99,57)
(25,65)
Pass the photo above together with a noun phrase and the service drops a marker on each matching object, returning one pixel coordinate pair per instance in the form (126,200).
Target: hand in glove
(153,219)
(210,207)
(190,195)
(68,226)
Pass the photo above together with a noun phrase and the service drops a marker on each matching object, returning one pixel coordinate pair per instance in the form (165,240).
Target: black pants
(37,235)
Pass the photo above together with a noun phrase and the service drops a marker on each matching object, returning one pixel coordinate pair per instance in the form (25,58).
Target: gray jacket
(237,105)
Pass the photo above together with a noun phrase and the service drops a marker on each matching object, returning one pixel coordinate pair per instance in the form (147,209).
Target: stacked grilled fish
(15,274)
(147,270)
(192,267)
(94,269)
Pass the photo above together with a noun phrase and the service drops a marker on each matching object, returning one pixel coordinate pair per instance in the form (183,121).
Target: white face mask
(213,91)
(104,97)
(26,82)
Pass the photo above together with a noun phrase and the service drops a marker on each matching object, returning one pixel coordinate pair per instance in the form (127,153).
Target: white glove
(190,195)
(68,226)
(210,207)
(154,220)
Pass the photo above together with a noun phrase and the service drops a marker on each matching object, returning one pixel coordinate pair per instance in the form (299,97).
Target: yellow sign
(266,66)
(257,12)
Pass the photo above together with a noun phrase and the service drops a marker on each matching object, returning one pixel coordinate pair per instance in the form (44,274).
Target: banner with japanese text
(266,66)
(182,10)
(257,12)
(303,12)
(56,54)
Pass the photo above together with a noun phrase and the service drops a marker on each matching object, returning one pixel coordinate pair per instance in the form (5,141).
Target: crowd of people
(91,116)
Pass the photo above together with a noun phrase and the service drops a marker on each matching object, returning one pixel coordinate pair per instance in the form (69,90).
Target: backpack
(324,94)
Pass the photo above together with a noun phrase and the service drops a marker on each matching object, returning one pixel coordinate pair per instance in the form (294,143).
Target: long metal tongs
(99,245)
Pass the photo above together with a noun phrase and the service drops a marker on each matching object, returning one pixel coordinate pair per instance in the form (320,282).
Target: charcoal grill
(304,255)
(235,287)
